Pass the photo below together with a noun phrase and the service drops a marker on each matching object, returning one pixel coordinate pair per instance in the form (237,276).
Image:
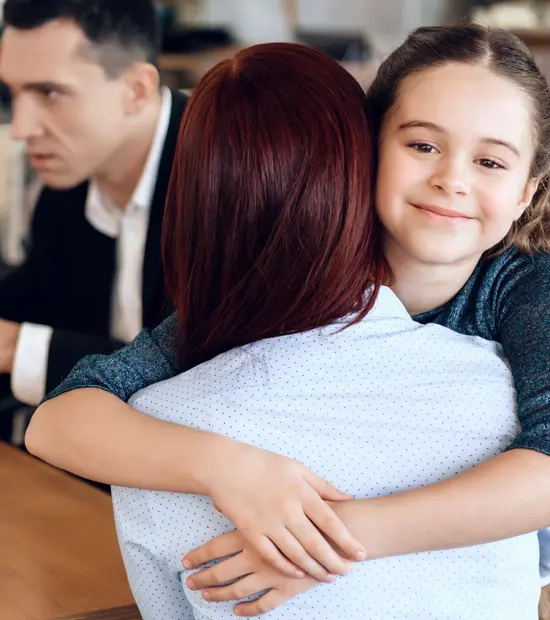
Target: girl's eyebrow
(423,124)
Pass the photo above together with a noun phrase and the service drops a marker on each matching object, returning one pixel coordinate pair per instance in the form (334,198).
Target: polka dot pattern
(383,406)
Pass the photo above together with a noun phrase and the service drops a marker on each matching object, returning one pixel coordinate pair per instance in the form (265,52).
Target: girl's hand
(253,573)
(278,506)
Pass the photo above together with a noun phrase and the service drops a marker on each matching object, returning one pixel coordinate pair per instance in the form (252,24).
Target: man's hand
(253,574)
(9,334)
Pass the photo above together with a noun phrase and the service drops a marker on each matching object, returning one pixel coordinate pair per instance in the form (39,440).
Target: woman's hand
(278,506)
(253,573)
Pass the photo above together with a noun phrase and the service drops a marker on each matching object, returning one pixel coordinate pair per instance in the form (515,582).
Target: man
(101,134)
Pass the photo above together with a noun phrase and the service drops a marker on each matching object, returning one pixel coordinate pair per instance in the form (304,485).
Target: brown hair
(270,226)
(118,33)
(504,54)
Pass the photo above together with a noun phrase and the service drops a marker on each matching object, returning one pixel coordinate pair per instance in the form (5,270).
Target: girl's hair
(505,55)
(270,226)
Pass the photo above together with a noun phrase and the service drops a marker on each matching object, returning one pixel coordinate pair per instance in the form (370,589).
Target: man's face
(70,115)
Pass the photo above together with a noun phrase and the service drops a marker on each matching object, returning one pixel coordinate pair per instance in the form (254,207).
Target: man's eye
(50,93)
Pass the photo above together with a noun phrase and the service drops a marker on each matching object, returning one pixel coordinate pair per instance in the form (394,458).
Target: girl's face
(453,175)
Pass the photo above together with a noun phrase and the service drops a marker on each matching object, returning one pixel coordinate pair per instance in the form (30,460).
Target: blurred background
(199,33)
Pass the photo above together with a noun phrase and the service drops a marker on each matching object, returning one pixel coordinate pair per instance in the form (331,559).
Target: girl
(407,404)
(462,194)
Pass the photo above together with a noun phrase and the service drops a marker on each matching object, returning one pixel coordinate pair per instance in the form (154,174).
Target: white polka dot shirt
(383,406)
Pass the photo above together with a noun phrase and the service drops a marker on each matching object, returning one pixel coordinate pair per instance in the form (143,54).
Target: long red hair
(270,227)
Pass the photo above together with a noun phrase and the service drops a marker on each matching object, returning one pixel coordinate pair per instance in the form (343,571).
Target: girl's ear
(527,196)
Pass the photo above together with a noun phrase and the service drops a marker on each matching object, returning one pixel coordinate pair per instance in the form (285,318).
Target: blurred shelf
(196,62)
(534,38)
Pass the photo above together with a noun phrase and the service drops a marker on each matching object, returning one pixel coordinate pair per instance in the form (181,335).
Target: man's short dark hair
(120,32)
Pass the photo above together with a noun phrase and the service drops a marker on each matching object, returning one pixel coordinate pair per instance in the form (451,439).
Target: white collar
(106,217)
(143,194)
(388,305)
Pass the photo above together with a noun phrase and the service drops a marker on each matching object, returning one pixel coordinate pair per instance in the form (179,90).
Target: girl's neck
(424,286)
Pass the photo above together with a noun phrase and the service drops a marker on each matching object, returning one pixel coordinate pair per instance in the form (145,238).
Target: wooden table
(58,549)
(544,605)
(59,555)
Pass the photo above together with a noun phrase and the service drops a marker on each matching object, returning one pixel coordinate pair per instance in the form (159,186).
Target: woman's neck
(424,286)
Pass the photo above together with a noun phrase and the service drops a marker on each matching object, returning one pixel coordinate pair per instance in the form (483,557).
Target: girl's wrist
(214,456)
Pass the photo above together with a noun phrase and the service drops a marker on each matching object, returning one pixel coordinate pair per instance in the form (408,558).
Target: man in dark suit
(101,134)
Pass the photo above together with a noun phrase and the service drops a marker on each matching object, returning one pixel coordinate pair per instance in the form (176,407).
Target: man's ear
(142,81)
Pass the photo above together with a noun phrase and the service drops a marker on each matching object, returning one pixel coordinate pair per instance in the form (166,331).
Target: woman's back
(382,406)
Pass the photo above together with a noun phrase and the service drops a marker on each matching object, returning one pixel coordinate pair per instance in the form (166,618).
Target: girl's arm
(498,499)
(507,496)
(151,357)
(503,497)
(275,501)
(510,494)
(84,428)
(93,434)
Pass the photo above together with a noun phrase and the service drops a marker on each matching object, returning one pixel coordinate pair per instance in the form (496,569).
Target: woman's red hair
(270,227)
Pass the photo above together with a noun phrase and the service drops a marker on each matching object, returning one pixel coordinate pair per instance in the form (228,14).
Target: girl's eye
(490,163)
(422,147)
